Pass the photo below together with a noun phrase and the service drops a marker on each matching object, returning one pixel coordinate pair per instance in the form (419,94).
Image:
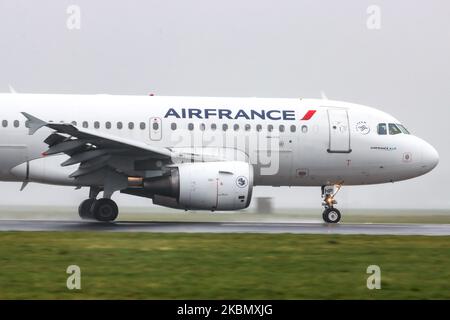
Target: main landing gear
(104,209)
(330,214)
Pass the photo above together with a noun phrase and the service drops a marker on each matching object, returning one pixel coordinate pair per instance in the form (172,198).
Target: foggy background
(398,63)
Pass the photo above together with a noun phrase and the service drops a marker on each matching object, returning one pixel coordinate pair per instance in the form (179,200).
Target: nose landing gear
(330,214)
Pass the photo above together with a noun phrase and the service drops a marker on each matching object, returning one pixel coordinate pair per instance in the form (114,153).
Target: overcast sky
(398,63)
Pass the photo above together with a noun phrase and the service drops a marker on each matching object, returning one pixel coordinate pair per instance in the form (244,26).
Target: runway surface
(227,227)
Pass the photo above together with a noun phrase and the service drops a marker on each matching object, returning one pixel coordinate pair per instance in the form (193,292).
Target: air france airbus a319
(201,153)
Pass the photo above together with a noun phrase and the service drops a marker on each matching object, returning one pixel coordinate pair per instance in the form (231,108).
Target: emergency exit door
(339,139)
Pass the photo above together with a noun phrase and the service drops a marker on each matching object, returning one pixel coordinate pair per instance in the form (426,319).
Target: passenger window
(131,125)
(202,126)
(173,126)
(155,125)
(5,123)
(27,124)
(236,127)
(382,128)
(293,128)
(96,124)
(247,127)
(258,127)
(85,124)
(73,123)
(213,126)
(270,128)
(190,126)
(393,129)
(304,128)
(142,125)
(281,128)
(119,125)
(108,125)
(224,127)
(16,123)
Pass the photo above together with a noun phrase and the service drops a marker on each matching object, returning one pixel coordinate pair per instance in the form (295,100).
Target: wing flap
(82,171)
(67,146)
(54,138)
(86,156)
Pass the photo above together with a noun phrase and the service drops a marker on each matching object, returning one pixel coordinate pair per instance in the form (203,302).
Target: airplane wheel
(105,210)
(331,215)
(84,209)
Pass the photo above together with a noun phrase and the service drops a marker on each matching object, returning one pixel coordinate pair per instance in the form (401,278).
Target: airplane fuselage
(290,142)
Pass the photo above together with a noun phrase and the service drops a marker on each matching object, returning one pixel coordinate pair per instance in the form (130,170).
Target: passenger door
(339,138)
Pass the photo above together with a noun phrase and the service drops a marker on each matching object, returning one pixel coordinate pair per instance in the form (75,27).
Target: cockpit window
(393,129)
(382,128)
(402,127)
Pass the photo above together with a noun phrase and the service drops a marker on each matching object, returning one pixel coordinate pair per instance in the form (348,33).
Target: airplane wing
(90,148)
(101,155)
(91,135)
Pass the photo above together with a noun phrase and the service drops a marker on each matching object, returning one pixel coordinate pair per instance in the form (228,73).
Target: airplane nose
(430,157)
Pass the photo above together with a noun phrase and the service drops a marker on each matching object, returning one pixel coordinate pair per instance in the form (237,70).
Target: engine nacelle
(212,186)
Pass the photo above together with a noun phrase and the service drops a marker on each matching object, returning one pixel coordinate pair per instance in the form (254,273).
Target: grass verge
(222,266)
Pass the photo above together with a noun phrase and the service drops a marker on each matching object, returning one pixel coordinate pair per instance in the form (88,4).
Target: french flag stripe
(308,115)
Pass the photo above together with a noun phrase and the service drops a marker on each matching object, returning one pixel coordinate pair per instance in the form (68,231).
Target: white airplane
(201,153)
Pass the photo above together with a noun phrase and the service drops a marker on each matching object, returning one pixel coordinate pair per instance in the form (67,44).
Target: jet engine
(212,186)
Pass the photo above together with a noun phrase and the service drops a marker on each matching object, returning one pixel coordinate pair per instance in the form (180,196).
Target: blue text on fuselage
(192,113)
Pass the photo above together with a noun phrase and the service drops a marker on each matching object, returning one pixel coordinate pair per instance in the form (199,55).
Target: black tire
(105,210)
(331,215)
(84,209)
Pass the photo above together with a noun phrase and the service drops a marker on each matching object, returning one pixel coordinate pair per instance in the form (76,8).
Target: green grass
(222,266)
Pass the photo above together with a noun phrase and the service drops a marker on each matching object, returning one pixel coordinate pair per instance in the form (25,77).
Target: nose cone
(430,157)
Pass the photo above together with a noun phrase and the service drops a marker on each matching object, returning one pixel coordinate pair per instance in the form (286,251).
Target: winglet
(34,124)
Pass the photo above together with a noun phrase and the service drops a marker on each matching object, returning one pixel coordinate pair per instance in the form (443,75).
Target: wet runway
(227,227)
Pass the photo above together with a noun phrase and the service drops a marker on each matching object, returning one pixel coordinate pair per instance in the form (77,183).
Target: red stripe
(308,115)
